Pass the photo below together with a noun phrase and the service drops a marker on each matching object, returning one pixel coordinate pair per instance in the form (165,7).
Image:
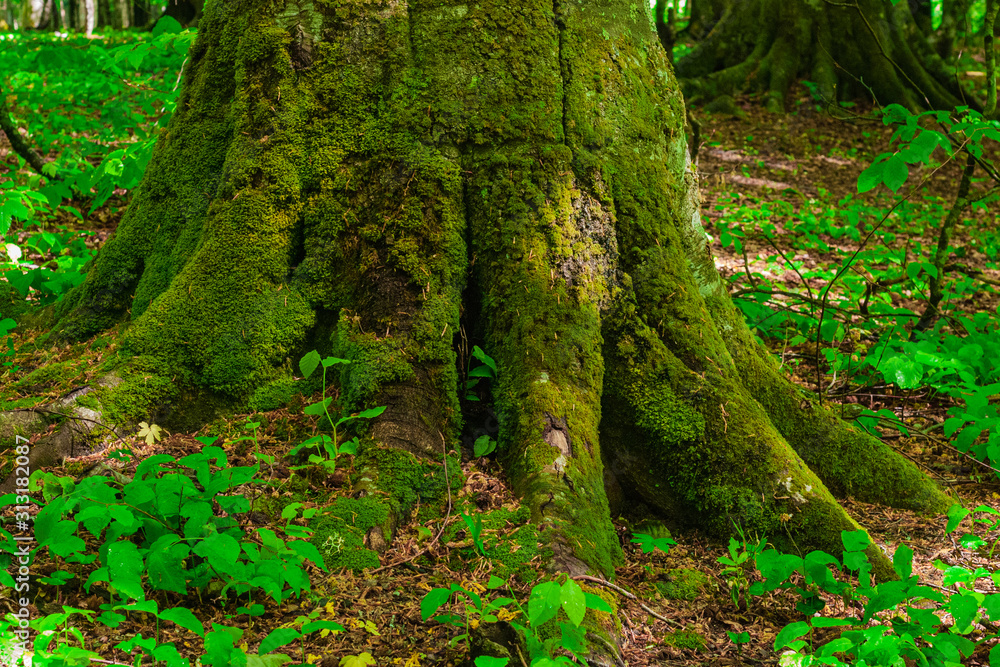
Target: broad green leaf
(573,601)
(825,622)
(371,413)
(490,661)
(902,562)
(483,357)
(360,660)
(597,603)
(433,601)
(789,634)
(125,566)
(319,408)
(270,660)
(544,602)
(855,540)
(183,617)
(277,638)
(895,173)
(308,363)
(871,177)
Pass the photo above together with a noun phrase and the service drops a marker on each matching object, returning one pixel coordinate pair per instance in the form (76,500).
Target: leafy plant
(648,543)
(322,443)
(487,368)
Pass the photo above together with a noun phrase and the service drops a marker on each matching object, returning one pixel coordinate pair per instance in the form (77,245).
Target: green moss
(89,401)
(273,395)
(682,584)
(339,533)
(685,639)
(405,479)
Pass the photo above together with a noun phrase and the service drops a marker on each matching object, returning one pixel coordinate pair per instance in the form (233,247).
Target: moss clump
(339,535)
(685,639)
(405,478)
(273,395)
(682,584)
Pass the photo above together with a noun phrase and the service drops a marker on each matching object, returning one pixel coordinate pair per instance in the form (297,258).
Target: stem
(991,72)
(941,254)
(17,142)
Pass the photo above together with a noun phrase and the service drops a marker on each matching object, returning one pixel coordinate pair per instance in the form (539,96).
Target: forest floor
(806,158)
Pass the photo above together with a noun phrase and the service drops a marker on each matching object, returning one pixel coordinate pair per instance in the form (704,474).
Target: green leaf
(125,566)
(825,622)
(789,634)
(270,660)
(307,550)
(433,601)
(490,661)
(855,540)
(371,413)
(483,446)
(739,637)
(895,173)
(871,177)
(322,625)
(360,660)
(167,25)
(277,638)
(308,363)
(183,617)
(902,562)
(319,408)
(220,550)
(544,602)
(573,601)
(483,357)
(597,603)
(495,582)
(955,515)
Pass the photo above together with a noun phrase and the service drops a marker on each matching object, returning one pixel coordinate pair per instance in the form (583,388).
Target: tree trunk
(360,177)
(872,49)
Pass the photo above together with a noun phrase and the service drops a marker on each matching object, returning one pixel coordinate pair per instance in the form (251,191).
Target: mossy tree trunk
(352,176)
(869,49)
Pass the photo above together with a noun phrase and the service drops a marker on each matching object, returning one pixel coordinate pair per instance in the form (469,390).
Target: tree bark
(867,49)
(361,177)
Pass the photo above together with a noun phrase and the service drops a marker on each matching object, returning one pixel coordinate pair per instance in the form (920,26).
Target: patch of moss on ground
(682,584)
(684,639)
(339,534)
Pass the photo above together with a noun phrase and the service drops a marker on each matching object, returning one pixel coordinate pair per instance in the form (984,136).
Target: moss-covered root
(849,461)
(699,448)
(543,270)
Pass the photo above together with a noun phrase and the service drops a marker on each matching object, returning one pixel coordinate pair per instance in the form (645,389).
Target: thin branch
(17,142)
(630,596)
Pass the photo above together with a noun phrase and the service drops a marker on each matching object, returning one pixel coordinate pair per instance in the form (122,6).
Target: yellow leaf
(414,661)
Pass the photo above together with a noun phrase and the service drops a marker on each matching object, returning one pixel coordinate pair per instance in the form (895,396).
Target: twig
(630,596)
(17,142)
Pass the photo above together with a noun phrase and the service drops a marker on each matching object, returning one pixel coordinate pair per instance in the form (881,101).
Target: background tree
(371,178)
(869,48)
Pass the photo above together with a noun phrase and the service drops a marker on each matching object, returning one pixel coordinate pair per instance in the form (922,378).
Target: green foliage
(159,531)
(103,148)
(322,443)
(487,368)
(899,620)
(648,543)
(545,602)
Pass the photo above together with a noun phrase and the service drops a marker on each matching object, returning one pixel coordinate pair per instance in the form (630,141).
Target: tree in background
(871,49)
